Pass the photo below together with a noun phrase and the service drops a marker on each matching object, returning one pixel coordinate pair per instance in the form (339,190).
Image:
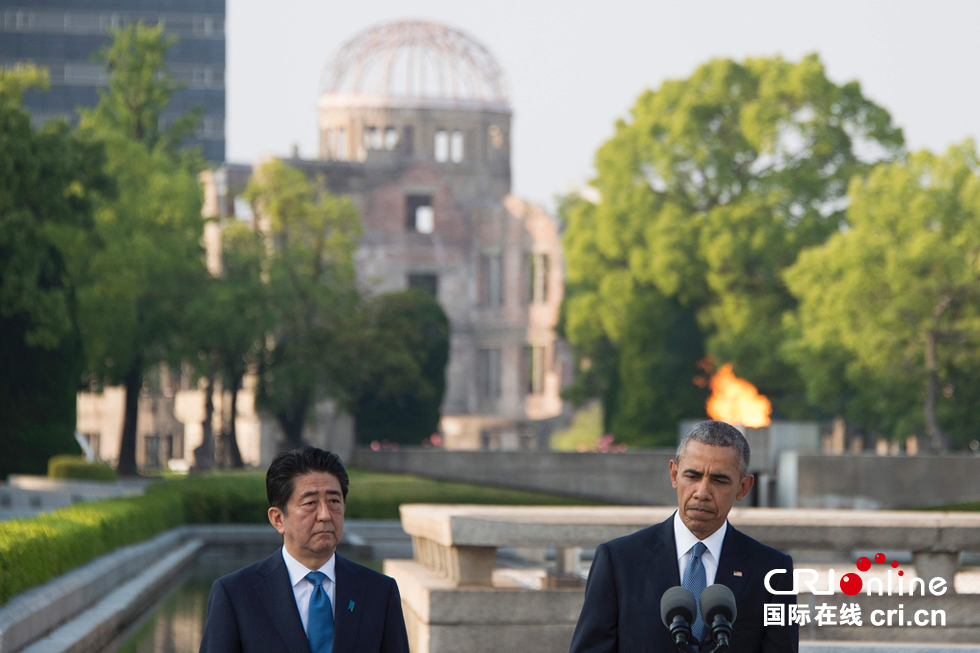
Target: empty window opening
(534,370)
(491,280)
(538,278)
(419,215)
(372,138)
(456,147)
(442,146)
(488,373)
(391,138)
(426,282)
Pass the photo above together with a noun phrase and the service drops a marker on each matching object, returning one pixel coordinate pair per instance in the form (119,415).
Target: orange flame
(737,401)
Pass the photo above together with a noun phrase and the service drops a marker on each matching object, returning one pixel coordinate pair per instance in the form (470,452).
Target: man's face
(313,522)
(708,483)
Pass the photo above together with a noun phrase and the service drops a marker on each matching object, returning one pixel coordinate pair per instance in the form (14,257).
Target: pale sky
(573,68)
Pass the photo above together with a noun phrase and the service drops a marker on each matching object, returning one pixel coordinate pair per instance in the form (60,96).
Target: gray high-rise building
(63,35)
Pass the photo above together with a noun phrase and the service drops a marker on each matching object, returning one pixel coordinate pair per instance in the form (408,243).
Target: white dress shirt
(303,589)
(686,540)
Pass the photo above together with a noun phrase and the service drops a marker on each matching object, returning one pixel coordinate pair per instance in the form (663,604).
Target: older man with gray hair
(696,547)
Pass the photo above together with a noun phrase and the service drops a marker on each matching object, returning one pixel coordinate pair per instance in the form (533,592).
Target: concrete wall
(640,478)
(871,481)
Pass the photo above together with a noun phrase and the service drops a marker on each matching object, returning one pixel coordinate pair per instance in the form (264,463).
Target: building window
(373,138)
(419,216)
(534,370)
(391,138)
(537,278)
(426,282)
(488,373)
(442,146)
(491,280)
(456,147)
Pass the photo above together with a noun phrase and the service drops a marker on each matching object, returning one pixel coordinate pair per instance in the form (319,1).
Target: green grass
(970,506)
(376,495)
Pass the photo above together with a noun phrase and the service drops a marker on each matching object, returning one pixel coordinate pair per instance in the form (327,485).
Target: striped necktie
(319,622)
(696,580)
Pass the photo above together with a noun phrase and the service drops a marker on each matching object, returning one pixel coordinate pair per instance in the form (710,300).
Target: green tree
(133,304)
(889,316)
(706,193)
(228,318)
(51,179)
(401,368)
(312,293)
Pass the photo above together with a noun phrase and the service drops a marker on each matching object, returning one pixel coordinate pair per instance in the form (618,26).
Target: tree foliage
(147,251)
(400,379)
(706,194)
(889,316)
(51,179)
(312,292)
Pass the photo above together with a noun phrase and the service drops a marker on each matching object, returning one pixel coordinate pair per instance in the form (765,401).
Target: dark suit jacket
(630,575)
(253,610)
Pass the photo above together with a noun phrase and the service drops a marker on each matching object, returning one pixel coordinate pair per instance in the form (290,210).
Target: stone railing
(460,542)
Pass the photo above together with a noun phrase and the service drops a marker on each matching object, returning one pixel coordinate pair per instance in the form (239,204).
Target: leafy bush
(77,467)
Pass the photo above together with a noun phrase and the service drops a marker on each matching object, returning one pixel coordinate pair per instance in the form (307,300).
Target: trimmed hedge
(35,550)
(77,467)
(222,498)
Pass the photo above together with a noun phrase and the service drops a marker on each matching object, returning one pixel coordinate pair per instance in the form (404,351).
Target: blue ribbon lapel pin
(350,606)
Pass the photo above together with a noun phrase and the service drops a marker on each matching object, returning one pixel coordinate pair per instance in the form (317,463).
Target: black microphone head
(716,600)
(678,601)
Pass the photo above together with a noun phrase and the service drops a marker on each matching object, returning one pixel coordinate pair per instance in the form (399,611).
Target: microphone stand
(680,631)
(721,632)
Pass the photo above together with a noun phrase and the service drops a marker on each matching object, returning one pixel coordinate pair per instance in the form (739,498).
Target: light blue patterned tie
(696,580)
(319,622)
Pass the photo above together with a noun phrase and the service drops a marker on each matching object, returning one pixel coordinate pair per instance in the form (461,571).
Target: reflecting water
(175,624)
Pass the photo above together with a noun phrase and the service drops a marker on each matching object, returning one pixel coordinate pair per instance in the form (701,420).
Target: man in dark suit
(695,547)
(304,598)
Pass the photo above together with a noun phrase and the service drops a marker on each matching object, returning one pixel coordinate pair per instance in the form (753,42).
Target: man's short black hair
(718,434)
(288,465)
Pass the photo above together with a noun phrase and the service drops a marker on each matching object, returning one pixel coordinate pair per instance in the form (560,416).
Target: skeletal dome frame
(415,59)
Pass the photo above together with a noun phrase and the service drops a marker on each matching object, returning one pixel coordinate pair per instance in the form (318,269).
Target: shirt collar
(685,539)
(297,570)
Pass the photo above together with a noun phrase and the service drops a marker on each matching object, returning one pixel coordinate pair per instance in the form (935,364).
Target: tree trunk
(133,382)
(937,438)
(292,426)
(204,455)
(233,455)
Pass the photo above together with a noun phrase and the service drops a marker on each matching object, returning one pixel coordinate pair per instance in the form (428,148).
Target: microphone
(718,612)
(678,609)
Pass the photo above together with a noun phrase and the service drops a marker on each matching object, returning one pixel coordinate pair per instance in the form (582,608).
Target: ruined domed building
(415,127)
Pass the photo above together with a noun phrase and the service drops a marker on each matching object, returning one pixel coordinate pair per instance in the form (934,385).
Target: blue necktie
(319,622)
(696,580)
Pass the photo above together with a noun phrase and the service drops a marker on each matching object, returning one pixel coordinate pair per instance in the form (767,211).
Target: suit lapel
(276,594)
(347,618)
(733,555)
(663,547)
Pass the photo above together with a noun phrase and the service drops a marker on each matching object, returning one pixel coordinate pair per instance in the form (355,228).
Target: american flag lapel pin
(350,606)
(738,573)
